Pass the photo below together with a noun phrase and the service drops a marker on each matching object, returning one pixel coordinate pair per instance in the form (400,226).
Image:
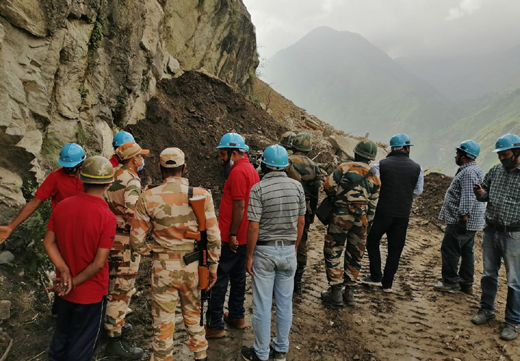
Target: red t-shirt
(114,160)
(242,178)
(83,224)
(59,185)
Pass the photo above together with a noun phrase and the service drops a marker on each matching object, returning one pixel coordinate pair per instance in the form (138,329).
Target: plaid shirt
(503,196)
(460,200)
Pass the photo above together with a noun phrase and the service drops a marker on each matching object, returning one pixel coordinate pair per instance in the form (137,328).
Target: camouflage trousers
(301,254)
(123,268)
(352,229)
(172,282)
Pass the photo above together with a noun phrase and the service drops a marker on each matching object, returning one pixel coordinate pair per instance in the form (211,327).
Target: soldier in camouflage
(356,192)
(304,170)
(166,211)
(286,141)
(121,197)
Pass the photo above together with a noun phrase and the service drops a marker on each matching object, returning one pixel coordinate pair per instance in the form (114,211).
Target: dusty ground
(415,323)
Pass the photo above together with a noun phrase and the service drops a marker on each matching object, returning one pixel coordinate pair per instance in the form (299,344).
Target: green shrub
(96,36)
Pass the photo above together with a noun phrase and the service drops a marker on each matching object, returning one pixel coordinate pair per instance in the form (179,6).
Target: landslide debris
(429,203)
(193,112)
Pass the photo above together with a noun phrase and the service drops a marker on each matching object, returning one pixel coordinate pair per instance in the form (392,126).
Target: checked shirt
(460,200)
(503,196)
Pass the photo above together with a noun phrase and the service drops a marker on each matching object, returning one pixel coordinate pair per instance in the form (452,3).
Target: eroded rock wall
(79,70)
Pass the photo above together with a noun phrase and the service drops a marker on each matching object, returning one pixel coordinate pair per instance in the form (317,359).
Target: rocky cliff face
(79,70)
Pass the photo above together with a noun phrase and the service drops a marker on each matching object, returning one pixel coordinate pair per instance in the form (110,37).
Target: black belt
(275,243)
(501,228)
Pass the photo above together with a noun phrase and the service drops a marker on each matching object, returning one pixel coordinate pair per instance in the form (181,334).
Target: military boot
(119,348)
(348,296)
(333,295)
(298,283)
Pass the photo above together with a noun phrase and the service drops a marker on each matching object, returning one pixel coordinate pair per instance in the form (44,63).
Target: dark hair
(88,187)
(169,172)
(359,158)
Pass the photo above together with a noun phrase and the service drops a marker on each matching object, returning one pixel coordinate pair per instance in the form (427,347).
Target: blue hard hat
(71,155)
(121,138)
(470,147)
(233,141)
(275,156)
(400,140)
(507,141)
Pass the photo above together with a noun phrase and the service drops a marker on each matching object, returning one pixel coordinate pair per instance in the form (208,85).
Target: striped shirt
(275,203)
(502,192)
(460,200)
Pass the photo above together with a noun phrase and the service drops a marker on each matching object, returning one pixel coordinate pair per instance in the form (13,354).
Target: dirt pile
(429,203)
(192,113)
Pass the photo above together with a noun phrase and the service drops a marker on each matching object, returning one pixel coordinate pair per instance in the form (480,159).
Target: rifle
(201,248)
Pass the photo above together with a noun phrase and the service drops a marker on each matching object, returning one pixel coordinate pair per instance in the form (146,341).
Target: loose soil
(414,323)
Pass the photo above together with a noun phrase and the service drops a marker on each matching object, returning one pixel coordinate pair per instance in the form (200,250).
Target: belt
(501,228)
(275,243)
(177,256)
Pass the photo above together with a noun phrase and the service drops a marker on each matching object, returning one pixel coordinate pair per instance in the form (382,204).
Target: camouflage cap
(172,158)
(367,149)
(130,150)
(287,138)
(97,170)
(302,142)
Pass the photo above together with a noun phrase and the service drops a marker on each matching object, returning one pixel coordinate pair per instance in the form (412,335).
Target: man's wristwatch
(232,235)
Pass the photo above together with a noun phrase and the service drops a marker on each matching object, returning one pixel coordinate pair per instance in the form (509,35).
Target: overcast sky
(399,27)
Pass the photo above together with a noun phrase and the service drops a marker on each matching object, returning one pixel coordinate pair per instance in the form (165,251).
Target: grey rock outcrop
(77,71)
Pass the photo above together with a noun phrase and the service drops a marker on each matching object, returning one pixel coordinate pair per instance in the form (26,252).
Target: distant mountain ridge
(345,80)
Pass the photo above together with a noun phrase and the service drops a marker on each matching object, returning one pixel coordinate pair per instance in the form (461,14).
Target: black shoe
(277,356)
(467,288)
(249,354)
(119,348)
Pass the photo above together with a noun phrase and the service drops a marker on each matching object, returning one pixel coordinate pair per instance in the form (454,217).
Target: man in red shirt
(233,228)
(119,139)
(79,238)
(60,184)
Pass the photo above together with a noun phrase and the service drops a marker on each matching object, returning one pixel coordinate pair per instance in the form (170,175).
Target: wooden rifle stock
(198,206)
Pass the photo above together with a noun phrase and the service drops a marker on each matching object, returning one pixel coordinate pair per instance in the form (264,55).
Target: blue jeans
(273,268)
(495,246)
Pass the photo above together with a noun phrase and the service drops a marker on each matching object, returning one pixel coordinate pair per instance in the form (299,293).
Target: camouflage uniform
(304,170)
(354,211)
(123,264)
(165,210)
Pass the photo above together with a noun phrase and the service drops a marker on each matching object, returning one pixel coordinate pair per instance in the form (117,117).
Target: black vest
(399,175)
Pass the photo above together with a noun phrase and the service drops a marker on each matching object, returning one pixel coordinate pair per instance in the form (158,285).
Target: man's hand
(5,232)
(478,190)
(249,265)
(233,244)
(64,284)
(212,280)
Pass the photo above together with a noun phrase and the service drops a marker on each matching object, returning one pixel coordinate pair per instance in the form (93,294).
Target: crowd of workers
(102,219)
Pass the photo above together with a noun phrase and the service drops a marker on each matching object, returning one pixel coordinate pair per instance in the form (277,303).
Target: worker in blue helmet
(59,185)
(232,223)
(464,216)
(501,241)
(401,179)
(119,139)
(275,228)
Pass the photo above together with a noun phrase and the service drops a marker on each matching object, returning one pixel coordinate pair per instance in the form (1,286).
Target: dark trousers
(231,269)
(457,246)
(77,330)
(395,229)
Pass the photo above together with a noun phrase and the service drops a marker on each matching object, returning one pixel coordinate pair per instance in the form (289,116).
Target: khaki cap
(130,150)
(171,158)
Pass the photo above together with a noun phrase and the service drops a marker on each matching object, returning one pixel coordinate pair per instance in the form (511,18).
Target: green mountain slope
(499,114)
(346,81)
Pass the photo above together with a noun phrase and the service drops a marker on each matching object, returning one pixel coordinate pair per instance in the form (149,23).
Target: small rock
(5,310)
(6,257)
